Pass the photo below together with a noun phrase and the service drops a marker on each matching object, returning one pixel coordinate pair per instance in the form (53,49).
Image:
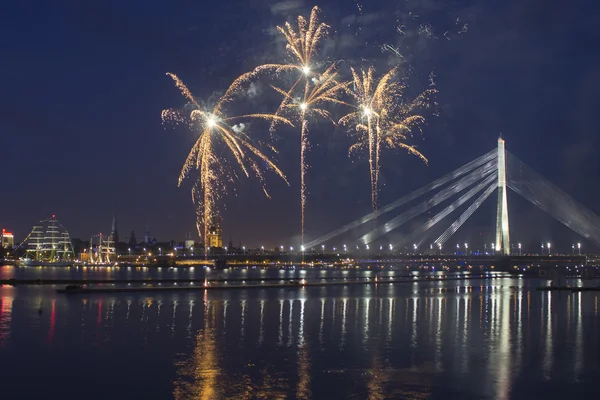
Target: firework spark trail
(381,119)
(310,90)
(325,90)
(215,172)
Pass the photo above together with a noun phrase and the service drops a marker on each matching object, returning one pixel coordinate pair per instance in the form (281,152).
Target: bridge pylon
(502,226)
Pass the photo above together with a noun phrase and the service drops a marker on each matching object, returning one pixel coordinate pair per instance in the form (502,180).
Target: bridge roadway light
(579,248)
(573,247)
(549,248)
(323,248)
(519,248)
(467,248)
(244,248)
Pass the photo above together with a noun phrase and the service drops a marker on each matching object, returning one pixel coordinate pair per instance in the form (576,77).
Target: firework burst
(319,91)
(217,131)
(311,90)
(382,118)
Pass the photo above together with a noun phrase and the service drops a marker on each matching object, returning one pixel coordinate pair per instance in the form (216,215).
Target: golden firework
(318,91)
(382,117)
(217,130)
(311,89)
(301,44)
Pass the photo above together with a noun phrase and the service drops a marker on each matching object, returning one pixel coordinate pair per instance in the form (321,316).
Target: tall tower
(114,232)
(147,235)
(502,230)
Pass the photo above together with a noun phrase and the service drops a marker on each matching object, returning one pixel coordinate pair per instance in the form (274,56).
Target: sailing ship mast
(49,241)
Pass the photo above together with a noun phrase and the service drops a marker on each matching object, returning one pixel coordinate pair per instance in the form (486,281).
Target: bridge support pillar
(502,228)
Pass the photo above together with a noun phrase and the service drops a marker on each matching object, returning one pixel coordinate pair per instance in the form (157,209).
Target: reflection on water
(472,339)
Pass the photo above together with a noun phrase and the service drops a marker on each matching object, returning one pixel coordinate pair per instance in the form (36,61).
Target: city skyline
(137,160)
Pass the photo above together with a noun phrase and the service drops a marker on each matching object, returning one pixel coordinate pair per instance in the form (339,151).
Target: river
(495,338)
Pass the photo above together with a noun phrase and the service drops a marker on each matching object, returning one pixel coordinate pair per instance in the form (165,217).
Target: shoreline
(267,285)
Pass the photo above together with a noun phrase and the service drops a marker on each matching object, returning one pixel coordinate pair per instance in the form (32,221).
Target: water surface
(494,338)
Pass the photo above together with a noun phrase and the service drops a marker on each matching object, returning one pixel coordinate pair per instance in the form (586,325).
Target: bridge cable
(468,167)
(462,184)
(486,184)
(548,197)
(466,215)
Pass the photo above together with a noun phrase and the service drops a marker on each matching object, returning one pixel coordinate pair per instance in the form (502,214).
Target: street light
(467,248)
(160,251)
(579,248)
(323,248)
(345,250)
(573,248)
(440,247)
(415,247)
(457,248)
(244,247)
(549,248)
(519,248)
(263,249)
(129,249)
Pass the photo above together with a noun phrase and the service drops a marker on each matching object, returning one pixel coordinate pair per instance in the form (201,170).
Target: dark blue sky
(83,85)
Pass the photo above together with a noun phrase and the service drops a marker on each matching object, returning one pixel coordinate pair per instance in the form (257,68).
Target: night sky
(83,86)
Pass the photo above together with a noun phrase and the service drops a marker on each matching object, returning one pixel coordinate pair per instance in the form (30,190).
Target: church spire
(147,235)
(114,232)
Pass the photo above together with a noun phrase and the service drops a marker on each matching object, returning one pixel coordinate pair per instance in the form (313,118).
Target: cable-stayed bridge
(471,184)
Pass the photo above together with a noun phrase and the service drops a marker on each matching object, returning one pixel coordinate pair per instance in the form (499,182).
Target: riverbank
(291,284)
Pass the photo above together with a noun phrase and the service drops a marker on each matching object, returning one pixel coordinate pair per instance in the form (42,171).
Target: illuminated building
(7,240)
(215,236)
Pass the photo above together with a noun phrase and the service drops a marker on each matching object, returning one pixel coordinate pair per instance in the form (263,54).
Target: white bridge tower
(502,229)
